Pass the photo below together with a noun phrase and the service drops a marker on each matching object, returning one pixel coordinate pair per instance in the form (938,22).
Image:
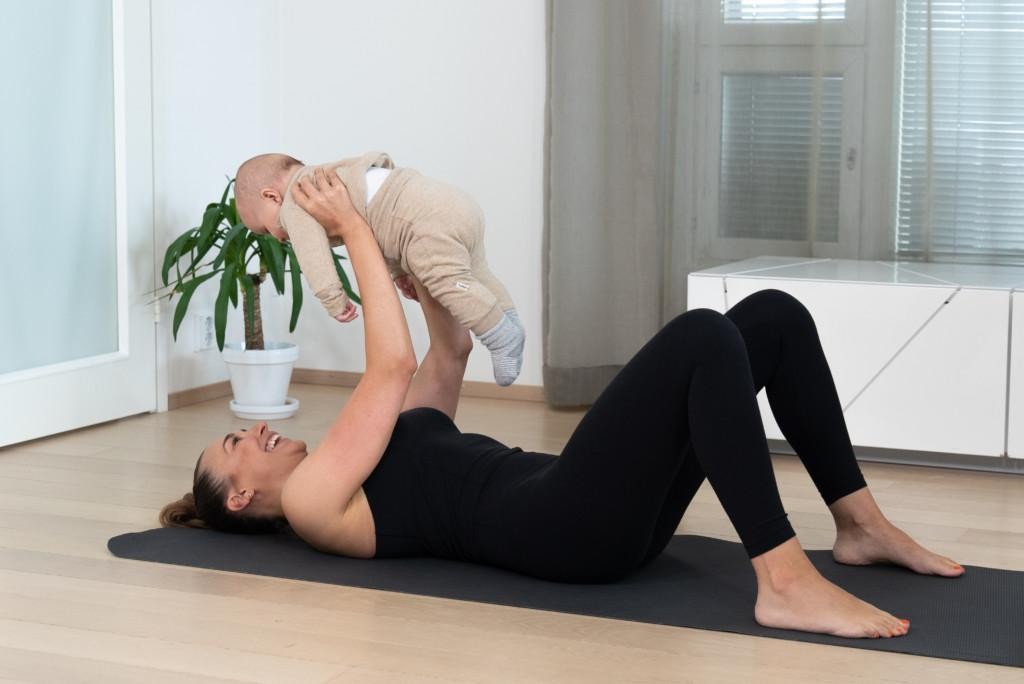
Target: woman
(393,476)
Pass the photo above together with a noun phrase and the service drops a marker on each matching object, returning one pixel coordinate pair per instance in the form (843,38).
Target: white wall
(454,89)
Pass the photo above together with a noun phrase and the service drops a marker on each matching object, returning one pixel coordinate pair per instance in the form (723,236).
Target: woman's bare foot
(865,536)
(883,542)
(791,594)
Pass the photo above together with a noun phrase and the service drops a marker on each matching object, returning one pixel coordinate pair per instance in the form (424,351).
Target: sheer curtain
(684,134)
(690,133)
(603,271)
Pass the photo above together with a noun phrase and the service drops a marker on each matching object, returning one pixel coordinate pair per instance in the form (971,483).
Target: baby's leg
(483,274)
(505,341)
(445,266)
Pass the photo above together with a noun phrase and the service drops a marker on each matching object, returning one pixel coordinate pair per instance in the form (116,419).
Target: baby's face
(262,216)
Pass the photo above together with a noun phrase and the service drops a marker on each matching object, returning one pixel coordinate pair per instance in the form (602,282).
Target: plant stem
(254,334)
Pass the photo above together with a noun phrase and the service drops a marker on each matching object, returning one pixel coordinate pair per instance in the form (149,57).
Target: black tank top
(425,491)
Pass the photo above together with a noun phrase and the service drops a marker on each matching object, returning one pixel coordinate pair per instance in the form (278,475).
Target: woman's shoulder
(425,413)
(422,422)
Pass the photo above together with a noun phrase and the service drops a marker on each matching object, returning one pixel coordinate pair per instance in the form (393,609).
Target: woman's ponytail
(181,513)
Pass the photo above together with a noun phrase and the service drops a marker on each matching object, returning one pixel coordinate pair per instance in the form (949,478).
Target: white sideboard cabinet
(925,358)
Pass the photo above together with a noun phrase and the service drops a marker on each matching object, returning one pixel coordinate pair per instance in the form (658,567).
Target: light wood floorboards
(69,611)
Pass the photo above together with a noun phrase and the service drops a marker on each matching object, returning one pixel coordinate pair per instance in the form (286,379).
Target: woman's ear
(239,500)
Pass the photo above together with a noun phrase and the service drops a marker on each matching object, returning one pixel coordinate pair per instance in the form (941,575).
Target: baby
(425,228)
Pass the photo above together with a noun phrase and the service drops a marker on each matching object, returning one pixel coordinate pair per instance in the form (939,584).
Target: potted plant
(222,248)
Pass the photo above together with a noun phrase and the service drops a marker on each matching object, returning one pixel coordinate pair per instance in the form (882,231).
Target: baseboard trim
(197,394)
(931,459)
(313,376)
(470,388)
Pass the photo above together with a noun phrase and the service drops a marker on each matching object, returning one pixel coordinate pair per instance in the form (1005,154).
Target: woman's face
(253,462)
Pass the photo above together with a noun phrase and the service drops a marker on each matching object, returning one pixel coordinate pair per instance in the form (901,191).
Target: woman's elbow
(409,366)
(404,366)
(398,367)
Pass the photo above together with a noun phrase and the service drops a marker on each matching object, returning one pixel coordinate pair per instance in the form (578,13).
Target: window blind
(974,201)
(765,156)
(782,11)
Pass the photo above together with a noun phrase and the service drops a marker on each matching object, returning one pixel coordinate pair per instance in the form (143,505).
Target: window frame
(845,62)
(715,31)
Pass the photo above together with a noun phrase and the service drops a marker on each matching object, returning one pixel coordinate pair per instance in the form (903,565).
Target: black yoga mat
(697,582)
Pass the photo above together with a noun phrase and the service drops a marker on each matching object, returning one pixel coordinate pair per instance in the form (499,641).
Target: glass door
(77,332)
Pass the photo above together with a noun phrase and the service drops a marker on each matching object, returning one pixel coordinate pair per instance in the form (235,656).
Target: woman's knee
(784,307)
(706,330)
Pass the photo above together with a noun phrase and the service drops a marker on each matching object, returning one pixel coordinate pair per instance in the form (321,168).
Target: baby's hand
(349,314)
(405,286)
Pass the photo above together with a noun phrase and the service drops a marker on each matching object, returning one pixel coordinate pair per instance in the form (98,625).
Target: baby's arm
(309,240)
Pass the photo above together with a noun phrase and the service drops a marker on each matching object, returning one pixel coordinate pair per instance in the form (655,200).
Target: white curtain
(681,133)
(603,273)
(690,133)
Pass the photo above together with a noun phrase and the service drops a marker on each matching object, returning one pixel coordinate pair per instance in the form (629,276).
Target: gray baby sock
(505,342)
(514,315)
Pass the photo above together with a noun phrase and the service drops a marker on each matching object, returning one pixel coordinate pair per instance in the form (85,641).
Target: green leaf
(345,284)
(249,241)
(186,248)
(271,249)
(198,243)
(228,246)
(220,307)
(231,213)
(206,240)
(212,219)
(296,288)
(187,290)
(227,189)
(174,251)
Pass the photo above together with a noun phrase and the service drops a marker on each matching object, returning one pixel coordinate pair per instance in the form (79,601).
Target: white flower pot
(259,380)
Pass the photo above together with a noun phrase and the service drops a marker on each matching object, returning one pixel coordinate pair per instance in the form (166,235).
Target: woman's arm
(320,489)
(439,379)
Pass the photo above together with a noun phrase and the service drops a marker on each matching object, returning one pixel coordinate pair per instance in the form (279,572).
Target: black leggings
(685,408)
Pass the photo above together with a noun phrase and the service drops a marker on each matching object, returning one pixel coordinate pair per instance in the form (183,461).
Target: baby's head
(259,191)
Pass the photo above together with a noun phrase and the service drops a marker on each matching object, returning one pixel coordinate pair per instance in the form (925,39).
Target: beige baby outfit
(424,227)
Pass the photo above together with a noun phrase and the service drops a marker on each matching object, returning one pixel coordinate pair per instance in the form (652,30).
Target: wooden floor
(71,612)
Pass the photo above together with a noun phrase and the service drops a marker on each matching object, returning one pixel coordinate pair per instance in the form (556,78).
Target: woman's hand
(326,199)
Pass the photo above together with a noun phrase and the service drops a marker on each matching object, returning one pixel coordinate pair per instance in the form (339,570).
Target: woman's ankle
(778,568)
(857,512)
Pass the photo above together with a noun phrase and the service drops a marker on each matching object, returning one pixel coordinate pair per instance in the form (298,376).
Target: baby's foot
(886,543)
(514,315)
(505,342)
